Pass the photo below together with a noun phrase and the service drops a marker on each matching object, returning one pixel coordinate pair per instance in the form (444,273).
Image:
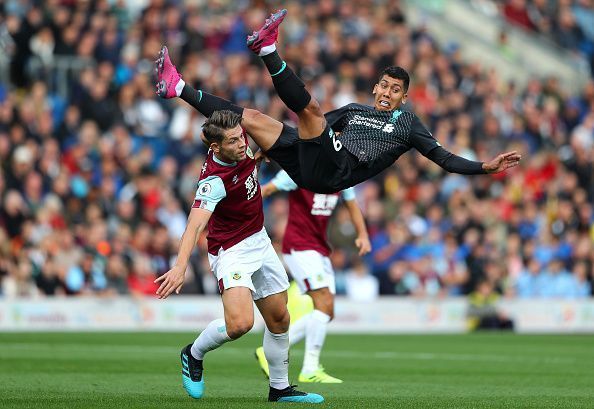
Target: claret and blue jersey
(309,214)
(232,192)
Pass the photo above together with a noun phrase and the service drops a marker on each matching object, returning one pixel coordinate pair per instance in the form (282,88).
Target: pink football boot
(268,34)
(167,75)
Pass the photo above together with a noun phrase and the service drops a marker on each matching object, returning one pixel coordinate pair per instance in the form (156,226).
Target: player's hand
(502,162)
(363,244)
(171,281)
(259,157)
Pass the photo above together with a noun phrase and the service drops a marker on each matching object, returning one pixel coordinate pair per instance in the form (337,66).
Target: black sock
(273,62)
(207,103)
(290,88)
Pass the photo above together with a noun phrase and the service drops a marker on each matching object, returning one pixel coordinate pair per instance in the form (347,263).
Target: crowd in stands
(96,184)
(567,23)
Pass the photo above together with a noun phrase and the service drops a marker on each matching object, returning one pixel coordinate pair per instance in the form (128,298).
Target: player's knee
(251,114)
(313,108)
(324,302)
(280,321)
(328,309)
(239,327)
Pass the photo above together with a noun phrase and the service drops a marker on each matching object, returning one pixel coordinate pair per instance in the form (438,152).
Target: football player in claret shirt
(305,251)
(331,152)
(229,202)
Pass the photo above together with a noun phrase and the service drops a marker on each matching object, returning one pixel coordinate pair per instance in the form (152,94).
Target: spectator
(361,286)
(483,312)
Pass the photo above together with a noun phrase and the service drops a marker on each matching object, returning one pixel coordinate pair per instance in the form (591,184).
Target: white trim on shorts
(251,263)
(311,270)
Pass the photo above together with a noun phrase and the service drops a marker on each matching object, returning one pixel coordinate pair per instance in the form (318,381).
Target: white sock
(276,350)
(179,87)
(213,336)
(297,329)
(314,340)
(269,49)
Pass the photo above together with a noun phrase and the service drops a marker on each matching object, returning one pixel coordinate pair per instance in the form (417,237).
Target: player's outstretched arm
(502,162)
(457,164)
(362,241)
(422,140)
(174,279)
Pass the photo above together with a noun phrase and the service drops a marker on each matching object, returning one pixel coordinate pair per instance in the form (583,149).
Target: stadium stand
(97,173)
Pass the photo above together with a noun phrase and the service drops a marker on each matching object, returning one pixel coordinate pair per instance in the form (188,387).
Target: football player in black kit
(331,152)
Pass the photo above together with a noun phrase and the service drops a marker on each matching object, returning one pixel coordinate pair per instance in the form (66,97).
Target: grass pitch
(142,370)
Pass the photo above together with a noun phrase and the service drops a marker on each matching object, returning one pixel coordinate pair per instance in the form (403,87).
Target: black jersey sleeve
(423,141)
(420,138)
(337,119)
(454,163)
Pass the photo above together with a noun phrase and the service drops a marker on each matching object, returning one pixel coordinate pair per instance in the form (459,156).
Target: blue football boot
(192,376)
(290,394)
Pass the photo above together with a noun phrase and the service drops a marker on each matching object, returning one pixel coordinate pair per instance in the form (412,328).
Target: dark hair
(219,122)
(398,73)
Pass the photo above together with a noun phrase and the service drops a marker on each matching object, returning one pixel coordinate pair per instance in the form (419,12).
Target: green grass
(125,370)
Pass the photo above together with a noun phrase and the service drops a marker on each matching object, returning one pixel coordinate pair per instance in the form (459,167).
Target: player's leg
(288,85)
(263,129)
(270,296)
(276,337)
(276,348)
(314,276)
(239,319)
(315,336)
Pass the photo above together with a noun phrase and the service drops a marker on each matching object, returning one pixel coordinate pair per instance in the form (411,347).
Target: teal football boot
(290,394)
(192,373)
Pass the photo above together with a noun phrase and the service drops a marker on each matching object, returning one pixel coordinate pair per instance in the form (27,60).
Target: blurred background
(97,174)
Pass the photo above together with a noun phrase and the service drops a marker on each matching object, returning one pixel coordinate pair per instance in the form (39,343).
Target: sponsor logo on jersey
(323,204)
(388,128)
(251,184)
(236,276)
(368,122)
(235,179)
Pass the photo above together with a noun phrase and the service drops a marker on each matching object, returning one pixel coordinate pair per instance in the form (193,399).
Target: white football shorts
(311,270)
(251,263)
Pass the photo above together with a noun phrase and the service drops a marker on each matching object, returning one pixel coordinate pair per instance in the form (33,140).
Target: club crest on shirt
(249,153)
(236,276)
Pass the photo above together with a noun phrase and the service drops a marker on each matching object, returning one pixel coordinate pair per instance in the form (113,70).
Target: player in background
(228,200)
(305,251)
